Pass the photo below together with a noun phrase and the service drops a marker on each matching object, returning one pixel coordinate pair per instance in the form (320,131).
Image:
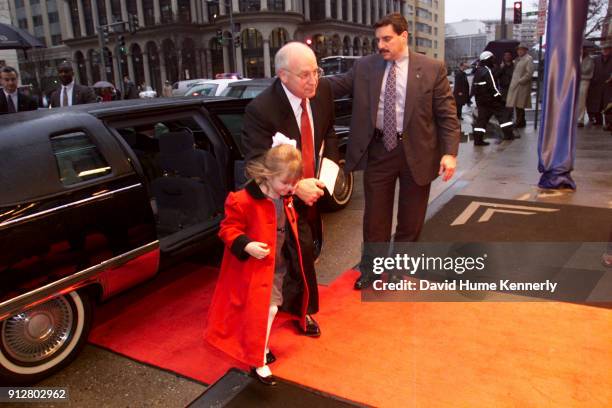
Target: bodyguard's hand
(447,167)
(309,190)
(257,250)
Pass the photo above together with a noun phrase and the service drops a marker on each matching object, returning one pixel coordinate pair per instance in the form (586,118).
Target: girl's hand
(257,250)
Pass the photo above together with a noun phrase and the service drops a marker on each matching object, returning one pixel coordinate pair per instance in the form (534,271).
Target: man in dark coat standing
(404,126)
(11,99)
(300,106)
(70,93)
(600,91)
(461,90)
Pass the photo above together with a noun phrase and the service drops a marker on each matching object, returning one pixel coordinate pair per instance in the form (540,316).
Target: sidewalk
(509,170)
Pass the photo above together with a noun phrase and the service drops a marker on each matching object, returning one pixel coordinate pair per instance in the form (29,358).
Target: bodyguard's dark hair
(396,20)
(9,70)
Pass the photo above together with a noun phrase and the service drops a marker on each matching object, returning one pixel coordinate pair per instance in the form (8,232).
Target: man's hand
(447,166)
(309,190)
(257,250)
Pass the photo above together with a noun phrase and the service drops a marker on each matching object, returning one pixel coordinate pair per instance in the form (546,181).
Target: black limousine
(95,199)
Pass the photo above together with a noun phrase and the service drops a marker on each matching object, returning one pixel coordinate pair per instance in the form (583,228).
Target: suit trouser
(582,96)
(382,172)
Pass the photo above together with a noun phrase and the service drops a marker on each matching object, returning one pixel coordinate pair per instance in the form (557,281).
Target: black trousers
(382,172)
(503,115)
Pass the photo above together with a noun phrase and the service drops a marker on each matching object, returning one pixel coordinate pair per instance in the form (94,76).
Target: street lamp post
(228,4)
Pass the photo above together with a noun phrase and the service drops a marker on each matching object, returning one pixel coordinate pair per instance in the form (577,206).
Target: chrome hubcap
(38,333)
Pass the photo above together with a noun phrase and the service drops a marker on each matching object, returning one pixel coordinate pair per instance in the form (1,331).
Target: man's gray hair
(282,57)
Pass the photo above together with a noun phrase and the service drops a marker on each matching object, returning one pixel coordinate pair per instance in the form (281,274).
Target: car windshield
(206,89)
(243,92)
(334,66)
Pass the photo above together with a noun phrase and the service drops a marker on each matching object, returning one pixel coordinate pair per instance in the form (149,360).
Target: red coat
(238,315)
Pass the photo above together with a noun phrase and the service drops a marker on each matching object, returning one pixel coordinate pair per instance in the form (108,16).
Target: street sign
(541,18)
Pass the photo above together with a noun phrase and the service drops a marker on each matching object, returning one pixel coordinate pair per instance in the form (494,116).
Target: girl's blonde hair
(280,160)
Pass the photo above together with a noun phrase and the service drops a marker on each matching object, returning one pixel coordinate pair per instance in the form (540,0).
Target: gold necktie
(65,97)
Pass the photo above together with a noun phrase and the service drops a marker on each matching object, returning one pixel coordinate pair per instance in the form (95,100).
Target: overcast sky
(457,10)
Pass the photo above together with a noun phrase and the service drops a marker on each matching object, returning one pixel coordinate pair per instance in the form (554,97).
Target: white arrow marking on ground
(474,205)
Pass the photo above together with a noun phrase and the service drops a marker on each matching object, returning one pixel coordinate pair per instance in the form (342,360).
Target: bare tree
(598,15)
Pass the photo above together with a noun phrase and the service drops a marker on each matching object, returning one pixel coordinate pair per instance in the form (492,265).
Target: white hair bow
(280,139)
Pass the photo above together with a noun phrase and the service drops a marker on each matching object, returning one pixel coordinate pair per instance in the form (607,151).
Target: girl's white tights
(264,370)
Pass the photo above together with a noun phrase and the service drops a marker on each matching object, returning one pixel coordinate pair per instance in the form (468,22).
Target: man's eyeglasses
(316,74)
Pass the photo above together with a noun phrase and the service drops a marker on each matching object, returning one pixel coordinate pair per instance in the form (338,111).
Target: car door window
(78,159)
(185,170)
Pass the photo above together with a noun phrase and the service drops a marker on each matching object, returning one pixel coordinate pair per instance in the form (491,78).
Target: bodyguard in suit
(404,127)
(300,106)
(12,100)
(70,93)
(461,90)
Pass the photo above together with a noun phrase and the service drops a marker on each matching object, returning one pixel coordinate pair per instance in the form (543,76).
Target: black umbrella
(498,47)
(13,38)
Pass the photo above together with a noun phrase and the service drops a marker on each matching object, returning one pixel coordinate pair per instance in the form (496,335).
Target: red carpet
(384,354)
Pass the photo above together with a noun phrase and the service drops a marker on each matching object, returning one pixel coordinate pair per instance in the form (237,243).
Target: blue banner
(557,137)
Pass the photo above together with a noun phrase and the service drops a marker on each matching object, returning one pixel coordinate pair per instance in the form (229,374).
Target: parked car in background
(179,88)
(337,64)
(95,199)
(147,93)
(211,87)
(228,75)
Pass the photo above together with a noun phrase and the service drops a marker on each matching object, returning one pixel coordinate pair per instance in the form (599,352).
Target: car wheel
(343,190)
(44,338)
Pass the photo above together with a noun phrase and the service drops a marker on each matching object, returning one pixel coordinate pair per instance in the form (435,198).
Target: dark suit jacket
(461,90)
(270,112)
(24,102)
(80,94)
(431,127)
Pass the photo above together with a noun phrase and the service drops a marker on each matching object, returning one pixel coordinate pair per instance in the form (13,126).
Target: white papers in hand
(328,174)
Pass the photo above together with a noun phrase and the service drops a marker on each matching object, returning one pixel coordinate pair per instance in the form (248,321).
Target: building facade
(7,57)
(178,39)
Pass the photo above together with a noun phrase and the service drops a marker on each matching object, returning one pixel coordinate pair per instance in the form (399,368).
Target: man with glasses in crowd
(300,106)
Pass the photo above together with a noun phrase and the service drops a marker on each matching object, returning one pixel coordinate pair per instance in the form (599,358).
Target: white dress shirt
(296,106)
(69,88)
(401,82)
(13,97)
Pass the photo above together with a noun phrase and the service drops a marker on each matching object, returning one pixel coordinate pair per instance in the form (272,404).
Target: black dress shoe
(270,358)
(269,380)
(312,327)
(364,282)
(483,143)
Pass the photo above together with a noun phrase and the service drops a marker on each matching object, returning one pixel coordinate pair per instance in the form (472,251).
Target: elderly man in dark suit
(300,106)
(70,93)
(11,99)
(404,127)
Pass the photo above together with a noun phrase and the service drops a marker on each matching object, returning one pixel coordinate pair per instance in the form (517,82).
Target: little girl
(262,263)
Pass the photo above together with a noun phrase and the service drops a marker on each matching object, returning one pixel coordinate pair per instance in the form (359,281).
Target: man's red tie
(307,142)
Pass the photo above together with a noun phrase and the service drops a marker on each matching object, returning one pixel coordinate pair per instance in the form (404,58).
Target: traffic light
(121,43)
(220,36)
(133,23)
(518,12)
(104,35)
(237,41)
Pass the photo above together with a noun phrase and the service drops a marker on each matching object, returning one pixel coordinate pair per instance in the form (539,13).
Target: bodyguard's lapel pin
(418,76)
